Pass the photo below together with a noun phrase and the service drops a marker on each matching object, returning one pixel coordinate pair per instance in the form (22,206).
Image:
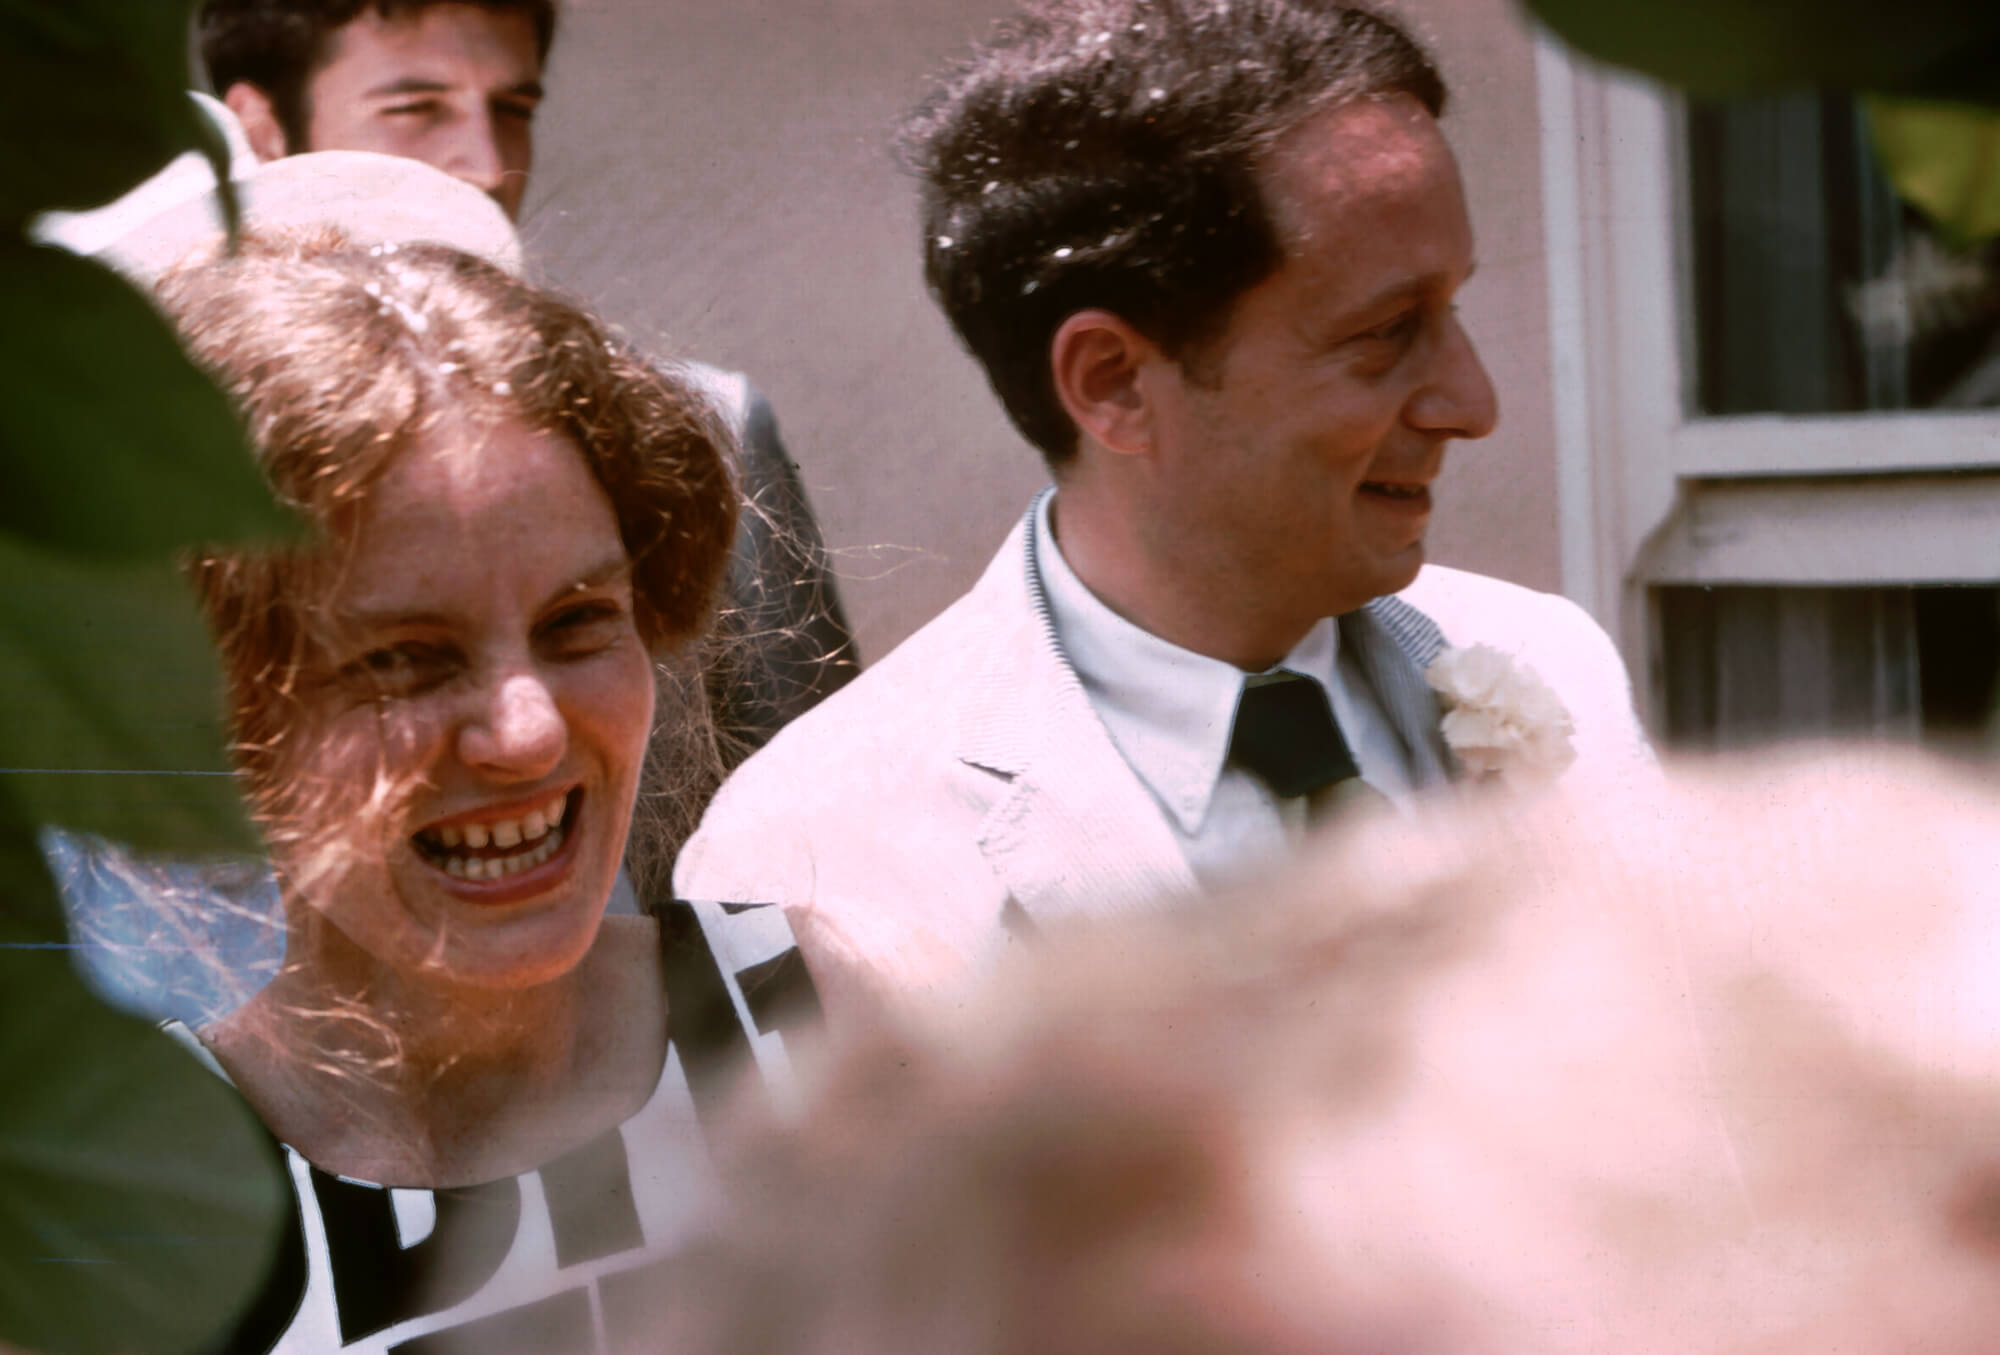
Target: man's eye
(1396,331)
(518,112)
(422,107)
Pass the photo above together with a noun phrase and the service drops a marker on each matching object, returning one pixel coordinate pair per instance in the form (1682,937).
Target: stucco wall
(714,174)
(1497,513)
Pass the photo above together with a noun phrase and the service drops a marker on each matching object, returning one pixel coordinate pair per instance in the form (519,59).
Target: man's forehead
(1362,146)
(1371,179)
(436,46)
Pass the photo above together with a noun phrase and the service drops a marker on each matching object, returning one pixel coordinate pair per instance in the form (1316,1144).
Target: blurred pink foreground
(1710,1066)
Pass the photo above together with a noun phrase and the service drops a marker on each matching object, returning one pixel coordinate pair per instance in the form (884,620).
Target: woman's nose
(520,735)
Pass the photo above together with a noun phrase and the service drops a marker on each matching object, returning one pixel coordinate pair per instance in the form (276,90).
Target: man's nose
(474,154)
(518,733)
(1458,401)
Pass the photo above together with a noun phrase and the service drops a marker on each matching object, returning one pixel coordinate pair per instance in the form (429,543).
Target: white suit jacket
(963,790)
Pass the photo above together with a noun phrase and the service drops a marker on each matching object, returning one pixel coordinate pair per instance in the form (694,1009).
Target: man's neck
(1176,596)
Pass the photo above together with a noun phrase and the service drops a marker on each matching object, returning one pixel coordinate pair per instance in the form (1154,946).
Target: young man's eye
(422,107)
(517,111)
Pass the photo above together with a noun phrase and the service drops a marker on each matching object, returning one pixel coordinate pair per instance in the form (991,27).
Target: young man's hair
(276,45)
(1104,153)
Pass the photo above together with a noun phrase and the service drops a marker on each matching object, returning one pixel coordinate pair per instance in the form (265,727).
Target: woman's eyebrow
(610,570)
(389,618)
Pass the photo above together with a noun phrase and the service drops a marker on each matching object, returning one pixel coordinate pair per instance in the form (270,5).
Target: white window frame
(1628,449)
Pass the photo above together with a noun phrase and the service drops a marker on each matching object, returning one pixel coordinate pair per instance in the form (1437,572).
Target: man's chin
(1400,570)
(1382,576)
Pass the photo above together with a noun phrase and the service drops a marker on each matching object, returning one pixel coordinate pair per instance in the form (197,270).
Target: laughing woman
(491,1095)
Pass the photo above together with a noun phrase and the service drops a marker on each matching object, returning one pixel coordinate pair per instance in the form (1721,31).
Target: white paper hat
(371,198)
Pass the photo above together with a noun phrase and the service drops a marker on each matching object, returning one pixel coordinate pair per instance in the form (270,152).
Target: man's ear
(1097,360)
(253,108)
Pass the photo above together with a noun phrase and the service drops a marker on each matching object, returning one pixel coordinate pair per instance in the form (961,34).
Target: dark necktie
(1285,735)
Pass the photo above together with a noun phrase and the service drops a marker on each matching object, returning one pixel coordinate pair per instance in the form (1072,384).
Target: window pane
(1816,291)
(1751,665)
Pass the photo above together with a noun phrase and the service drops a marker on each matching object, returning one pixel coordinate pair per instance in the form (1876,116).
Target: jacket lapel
(1074,831)
(1394,643)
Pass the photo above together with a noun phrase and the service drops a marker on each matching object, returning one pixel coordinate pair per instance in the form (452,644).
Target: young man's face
(452,85)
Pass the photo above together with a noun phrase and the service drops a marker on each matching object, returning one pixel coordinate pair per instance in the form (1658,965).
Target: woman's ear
(1098,361)
(253,108)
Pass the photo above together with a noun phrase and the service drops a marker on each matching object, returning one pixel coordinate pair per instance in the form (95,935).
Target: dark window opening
(1816,291)
(1744,666)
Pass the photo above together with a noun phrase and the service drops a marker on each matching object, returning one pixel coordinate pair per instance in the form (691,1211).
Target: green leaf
(111,440)
(215,146)
(96,94)
(116,698)
(141,1204)
(1940,49)
(1943,159)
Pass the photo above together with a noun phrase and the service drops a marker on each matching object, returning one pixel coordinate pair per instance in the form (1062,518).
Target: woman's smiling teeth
(451,848)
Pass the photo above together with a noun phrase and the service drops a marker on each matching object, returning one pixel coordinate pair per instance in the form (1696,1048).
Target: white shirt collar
(1168,709)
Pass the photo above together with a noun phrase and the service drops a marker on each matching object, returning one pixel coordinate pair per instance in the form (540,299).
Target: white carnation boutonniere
(1501,720)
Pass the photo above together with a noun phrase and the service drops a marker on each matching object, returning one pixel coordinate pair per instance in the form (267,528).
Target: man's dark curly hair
(276,45)
(1104,153)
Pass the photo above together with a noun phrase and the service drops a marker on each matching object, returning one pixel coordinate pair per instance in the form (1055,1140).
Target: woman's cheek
(616,698)
(368,763)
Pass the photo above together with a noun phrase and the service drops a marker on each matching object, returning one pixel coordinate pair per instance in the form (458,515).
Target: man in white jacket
(1207,254)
